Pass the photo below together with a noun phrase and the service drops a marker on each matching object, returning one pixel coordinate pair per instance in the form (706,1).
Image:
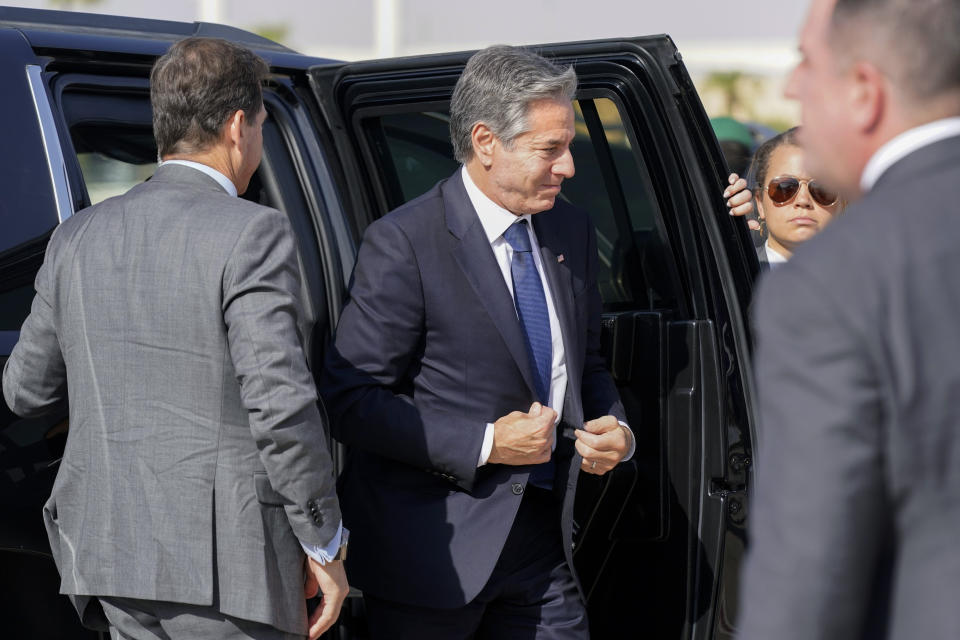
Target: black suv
(659,541)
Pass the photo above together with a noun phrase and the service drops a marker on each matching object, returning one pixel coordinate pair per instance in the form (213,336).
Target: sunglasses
(783,189)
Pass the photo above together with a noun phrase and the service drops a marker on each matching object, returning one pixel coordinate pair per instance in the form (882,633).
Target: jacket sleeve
(35,375)
(366,380)
(261,285)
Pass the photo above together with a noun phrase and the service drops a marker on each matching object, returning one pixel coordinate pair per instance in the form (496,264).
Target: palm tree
(728,84)
(277,32)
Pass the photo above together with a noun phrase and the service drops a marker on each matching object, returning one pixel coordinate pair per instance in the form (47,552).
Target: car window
(411,151)
(107,176)
(419,150)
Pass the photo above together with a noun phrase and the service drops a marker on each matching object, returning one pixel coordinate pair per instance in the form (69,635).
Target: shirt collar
(221,179)
(494,218)
(773,256)
(903,145)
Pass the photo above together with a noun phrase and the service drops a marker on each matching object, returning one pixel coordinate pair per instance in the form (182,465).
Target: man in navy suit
(466,377)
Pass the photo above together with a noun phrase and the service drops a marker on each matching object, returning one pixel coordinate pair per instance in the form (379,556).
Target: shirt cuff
(487,445)
(633,441)
(323,555)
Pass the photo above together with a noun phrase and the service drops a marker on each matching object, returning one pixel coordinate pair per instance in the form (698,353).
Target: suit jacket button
(517,488)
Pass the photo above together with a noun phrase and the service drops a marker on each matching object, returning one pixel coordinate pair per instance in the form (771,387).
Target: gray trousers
(132,619)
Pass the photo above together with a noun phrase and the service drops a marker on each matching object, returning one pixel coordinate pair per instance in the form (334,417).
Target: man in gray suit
(856,510)
(196,471)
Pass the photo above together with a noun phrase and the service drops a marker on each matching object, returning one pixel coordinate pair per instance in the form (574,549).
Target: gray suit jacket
(856,510)
(196,457)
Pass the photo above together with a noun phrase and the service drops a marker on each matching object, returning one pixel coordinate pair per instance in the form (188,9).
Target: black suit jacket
(428,351)
(856,511)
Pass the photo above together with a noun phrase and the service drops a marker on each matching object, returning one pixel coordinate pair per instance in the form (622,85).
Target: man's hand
(524,438)
(330,580)
(602,443)
(740,200)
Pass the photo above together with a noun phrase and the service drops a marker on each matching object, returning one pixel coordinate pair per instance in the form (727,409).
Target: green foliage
(779,125)
(731,84)
(72,4)
(277,32)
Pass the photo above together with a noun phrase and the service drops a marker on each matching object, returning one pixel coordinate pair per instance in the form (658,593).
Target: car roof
(48,29)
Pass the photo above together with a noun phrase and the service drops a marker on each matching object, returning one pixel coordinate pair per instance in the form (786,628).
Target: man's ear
(868,97)
(484,142)
(234,128)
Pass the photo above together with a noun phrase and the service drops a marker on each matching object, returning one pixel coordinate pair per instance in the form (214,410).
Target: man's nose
(564,165)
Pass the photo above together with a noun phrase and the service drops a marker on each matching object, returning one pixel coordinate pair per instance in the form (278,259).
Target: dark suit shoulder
(567,216)
(420,222)
(569,211)
(427,205)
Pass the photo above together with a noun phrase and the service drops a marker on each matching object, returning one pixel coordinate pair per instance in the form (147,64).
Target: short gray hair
(914,42)
(496,88)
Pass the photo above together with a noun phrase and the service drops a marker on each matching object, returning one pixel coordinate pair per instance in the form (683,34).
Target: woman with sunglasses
(791,204)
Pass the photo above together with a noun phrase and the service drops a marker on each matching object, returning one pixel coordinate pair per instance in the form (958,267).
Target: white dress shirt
(495,220)
(903,145)
(322,555)
(223,180)
(774,259)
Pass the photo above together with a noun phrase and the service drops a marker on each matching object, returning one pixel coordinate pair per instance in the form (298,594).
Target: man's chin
(543,204)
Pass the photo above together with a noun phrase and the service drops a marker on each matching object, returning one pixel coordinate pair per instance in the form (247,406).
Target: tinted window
(106,176)
(419,148)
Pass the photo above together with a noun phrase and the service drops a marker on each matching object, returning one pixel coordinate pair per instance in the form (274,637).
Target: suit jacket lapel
(559,279)
(475,257)
(553,244)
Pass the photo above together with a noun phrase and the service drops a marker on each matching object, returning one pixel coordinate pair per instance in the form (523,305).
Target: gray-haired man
(196,470)
(466,376)
(857,503)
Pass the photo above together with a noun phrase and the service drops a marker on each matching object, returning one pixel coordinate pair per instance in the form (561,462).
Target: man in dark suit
(467,380)
(856,509)
(196,472)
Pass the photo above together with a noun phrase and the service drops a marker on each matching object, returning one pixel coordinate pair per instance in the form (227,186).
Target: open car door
(659,540)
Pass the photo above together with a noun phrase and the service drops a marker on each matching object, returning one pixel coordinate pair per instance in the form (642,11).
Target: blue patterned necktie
(534,318)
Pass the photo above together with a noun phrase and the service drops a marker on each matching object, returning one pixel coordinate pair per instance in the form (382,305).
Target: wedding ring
(593,465)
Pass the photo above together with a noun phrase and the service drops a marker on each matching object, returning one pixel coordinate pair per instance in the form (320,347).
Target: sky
(749,30)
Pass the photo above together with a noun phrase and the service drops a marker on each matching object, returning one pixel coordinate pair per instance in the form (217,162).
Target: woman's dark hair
(196,86)
(761,157)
